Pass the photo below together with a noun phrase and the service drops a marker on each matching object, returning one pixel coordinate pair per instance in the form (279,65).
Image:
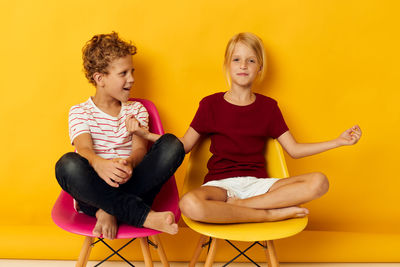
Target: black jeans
(130,202)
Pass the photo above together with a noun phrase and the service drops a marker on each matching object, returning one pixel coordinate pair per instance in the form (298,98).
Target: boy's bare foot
(286,213)
(162,221)
(106,225)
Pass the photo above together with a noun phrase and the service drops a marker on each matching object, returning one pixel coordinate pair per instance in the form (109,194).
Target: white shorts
(244,187)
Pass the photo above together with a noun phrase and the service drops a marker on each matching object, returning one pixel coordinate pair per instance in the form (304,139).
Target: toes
(113,233)
(172,229)
(108,234)
(302,212)
(97,231)
(170,218)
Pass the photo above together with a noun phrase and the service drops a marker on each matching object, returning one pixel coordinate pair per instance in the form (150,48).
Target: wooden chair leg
(85,252)
(198,249)
(271,254)
(211,253)
(148,262)
(160,250)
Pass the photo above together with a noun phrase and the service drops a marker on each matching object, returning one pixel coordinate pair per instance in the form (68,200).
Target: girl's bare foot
(285,213)
(162,221)
(106,225)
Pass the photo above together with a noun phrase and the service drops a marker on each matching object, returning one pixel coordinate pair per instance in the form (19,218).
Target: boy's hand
(350,136)
(128,166)
(133,127)
(113,172)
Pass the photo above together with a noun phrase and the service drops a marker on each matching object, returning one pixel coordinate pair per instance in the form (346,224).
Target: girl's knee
(319,184)
(192,207)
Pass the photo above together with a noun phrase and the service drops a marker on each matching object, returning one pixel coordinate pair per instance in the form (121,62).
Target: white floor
(48,263)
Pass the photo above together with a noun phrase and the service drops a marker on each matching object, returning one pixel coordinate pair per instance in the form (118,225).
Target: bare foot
(106,225)
(286,213)
(162,221)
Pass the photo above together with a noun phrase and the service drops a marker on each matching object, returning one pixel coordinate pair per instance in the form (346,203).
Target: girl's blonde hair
(252,41)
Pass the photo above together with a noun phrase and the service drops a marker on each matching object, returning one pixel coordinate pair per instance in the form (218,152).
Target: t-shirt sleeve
(141,115)
(201,120)
(77,122)
(277,124)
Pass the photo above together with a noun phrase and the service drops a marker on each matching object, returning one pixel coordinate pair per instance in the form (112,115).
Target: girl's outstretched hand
(350,136)
(133,127)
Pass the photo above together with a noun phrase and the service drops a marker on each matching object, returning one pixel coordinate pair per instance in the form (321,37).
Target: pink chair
(67,218)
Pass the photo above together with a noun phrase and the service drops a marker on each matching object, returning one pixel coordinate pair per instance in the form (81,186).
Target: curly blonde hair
(99,51)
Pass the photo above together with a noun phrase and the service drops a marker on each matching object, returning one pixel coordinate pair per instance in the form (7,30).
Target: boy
(111,176)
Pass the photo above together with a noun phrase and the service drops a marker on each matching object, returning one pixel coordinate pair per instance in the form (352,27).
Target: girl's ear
(98,78)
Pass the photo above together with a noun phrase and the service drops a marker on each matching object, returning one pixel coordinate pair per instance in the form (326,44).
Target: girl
(239,122)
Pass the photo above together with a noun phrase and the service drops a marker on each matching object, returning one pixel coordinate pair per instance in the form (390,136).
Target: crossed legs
(131,202)
(210,204)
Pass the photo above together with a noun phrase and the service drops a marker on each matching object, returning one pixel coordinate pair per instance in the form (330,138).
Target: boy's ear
(98,78)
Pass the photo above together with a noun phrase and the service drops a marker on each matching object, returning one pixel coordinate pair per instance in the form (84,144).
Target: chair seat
(65,216)
(249,231)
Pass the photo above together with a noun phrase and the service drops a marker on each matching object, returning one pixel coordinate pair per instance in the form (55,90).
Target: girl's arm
(111,171)
(188,140)
(299,150)
(139,149)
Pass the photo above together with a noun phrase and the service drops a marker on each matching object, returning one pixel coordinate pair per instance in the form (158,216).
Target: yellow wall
(332,64)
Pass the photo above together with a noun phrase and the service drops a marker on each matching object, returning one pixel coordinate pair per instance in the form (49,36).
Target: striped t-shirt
(109,134)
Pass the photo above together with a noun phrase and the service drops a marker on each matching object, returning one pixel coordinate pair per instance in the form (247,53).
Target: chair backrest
(169,191)
(197,165)
(155,125)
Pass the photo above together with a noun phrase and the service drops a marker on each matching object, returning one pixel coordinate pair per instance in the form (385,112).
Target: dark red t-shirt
(238,134)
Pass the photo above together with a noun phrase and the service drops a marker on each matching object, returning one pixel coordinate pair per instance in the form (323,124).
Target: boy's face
(119,80)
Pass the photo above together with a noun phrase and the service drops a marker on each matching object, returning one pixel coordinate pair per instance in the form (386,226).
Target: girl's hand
(350,136)
(113,172)
(133,127)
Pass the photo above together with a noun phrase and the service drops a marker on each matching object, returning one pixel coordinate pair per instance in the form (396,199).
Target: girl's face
(244,66)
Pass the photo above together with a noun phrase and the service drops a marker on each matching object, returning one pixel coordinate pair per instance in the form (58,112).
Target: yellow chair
(262,234)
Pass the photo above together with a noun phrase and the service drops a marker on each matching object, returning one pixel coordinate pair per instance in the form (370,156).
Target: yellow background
(331,64)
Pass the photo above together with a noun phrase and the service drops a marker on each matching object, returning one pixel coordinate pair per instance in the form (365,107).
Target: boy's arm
(188,140)
(111,171)
(299,150)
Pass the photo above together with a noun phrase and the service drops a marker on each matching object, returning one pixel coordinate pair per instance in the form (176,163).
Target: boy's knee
(172,146)
(191,206)
(319,184)
(69,165)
